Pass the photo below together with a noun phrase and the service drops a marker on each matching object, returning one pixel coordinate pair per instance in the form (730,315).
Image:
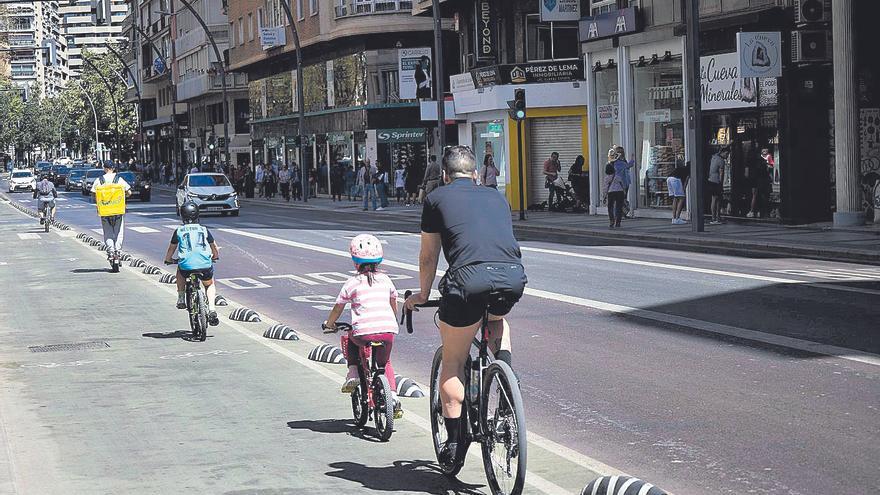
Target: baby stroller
(565,199)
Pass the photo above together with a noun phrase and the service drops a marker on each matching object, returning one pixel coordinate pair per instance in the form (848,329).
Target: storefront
(398,146)
(556,121)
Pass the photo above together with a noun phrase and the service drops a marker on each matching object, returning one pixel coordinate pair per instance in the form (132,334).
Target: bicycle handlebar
(340,325)
(176,261)
(407,315)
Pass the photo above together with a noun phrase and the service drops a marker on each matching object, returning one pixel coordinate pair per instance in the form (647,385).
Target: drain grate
(79,346)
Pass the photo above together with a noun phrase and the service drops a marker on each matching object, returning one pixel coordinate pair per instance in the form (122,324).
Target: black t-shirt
(473,222)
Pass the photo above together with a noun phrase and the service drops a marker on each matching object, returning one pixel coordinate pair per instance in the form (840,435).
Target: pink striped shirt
(371,310)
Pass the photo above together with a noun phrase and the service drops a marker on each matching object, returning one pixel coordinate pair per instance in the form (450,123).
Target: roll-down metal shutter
(546,135)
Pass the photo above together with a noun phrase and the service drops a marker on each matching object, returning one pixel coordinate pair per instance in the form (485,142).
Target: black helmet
(189,212)
(44,176)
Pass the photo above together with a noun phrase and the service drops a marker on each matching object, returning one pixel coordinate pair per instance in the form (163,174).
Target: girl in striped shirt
(373,301)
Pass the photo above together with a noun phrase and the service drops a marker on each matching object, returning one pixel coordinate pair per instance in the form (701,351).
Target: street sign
(760,54)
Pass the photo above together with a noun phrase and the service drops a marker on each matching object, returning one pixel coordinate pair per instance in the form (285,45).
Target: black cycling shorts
(201,274)
(465,292)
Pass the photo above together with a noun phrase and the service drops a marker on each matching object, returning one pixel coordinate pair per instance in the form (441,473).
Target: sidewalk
(818,241)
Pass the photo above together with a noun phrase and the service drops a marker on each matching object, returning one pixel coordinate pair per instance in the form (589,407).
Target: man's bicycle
(371,398)
(196,306)
(46,212)
(492,412)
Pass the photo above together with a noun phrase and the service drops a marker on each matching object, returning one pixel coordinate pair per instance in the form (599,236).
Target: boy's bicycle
(371,398)
(492,412)
(196,306)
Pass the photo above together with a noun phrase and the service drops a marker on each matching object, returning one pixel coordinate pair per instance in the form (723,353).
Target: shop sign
(760,54)
(560,10)
(721,85)
(608,114)
(410,135)
(461,82)
(495,128)
(623,21)
(768,93)
(660,115)
(338,138)
(414,73)
(538,72)
(270,37)
(486,25)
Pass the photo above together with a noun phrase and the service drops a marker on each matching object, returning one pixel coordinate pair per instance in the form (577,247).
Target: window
(240,31)
(250,26)
(300,14)
(313,7)
(261,18)
(550,40)
(232,33)
(604,6)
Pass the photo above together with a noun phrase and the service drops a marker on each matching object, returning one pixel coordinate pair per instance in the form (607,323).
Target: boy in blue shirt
(196,253)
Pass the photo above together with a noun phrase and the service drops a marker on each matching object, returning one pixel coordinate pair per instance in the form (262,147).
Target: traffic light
(211,142)
(518,104)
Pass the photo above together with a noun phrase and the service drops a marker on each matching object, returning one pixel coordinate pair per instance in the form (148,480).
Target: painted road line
(321,222)
(172,226)
(716,328)
(64,233)
(99,231)
(144,230)
(29,236)
(540,483)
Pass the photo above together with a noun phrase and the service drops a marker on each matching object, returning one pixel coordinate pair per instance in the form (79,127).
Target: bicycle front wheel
(504,430)
(383,412)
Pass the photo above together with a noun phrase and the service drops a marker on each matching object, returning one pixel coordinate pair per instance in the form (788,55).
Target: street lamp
(137,90)
(112,100)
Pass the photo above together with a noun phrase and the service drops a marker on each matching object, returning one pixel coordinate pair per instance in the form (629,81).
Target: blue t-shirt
(193,246)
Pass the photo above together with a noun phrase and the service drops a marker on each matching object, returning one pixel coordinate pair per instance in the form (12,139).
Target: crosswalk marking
(172,227)
(28,236)
(64,233)
(99,231)
(144,230)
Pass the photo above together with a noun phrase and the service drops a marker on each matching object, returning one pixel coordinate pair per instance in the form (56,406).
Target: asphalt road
(701,373)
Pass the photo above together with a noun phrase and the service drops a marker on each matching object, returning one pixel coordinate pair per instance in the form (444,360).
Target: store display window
(658,95)
(607,110)
(489,144)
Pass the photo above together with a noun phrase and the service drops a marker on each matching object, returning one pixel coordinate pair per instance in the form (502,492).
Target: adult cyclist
(472,225)
(113,226)
(45,193)
(196,253)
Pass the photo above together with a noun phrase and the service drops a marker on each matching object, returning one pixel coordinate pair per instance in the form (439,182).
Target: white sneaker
(674,221)
(751,214)
(349,385)
(380,209)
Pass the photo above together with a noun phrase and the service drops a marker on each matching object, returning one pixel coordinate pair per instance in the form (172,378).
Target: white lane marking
(204,353)
(295,278)
(329,277)
(321,222)
(243,283)
(255,226)
(172,226)
(65,365)
(64,233)
(852,275)
(28,236)
(790,342)
(99,231)
(537,481)
(144,230)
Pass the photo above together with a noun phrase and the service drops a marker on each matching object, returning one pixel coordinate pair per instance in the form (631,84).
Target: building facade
(88,26)
(27,29)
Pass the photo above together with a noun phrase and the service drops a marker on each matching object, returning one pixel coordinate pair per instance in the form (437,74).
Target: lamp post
(137,91)
(112,100)
(94,112)
(301,98)
(695,111)
(438,74)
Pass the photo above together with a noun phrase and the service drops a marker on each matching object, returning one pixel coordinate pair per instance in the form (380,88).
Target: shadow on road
(177,334)
(90,270)
(402,476)
(345,426)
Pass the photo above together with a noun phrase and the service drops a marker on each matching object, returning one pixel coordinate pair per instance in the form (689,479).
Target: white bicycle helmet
(365,248)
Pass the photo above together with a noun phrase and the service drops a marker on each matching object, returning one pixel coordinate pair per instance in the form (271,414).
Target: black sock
(505,356)
(453,426)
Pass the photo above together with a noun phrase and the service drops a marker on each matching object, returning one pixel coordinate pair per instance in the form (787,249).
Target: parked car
(74,179)
(210,192)
(58,174)
(89,179)
(22,180)
(141,187)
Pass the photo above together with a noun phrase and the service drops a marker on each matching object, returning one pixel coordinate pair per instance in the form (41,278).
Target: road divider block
(220,301)
(102,246)
(168,278)
(621,485)
(326,353)
(245,314)
(137,263)
(152,270)
(407,387)
(280,332)
(124,257)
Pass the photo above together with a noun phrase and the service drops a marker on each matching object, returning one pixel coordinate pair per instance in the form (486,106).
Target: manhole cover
(79,346)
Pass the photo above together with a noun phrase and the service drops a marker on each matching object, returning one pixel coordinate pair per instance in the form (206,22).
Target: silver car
(210,192)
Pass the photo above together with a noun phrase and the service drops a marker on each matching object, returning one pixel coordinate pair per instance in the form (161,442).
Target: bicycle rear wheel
(438,424)
(46,221)
(504,430)
(383,411)
(359,408)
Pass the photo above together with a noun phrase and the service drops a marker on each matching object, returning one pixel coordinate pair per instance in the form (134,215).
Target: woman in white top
(490,172)
(399,182)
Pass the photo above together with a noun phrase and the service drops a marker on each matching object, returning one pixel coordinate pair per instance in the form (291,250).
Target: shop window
(604,6)
(550,40)
(607,110)
(489,140)
(349,80)
(659,124)
(390,86)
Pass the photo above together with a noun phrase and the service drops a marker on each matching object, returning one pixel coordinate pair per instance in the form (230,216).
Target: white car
(22,180)
(212,193)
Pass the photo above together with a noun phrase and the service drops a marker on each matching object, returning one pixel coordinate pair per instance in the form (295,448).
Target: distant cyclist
(472,224)
(113,225)
(196,253)
(45,193)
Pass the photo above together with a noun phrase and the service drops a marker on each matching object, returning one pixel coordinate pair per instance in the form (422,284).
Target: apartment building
(27,28)
(88,27)
(351,51)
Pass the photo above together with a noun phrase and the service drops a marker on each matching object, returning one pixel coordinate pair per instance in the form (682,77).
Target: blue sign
(623,21)
(159,65)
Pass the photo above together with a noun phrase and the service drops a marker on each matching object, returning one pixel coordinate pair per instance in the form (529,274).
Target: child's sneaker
(350,385)
(398,407)
(181,301)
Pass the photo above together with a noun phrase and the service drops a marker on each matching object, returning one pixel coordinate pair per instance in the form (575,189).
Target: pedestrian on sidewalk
(296,182)
(284,182)
(552,167)
(358,182)
(259,176)
(614,194)
(676,184)
(433,175)
(715,180)
(349,181)
(413,175)
(399,183)
(337,181)
(368,172)
(249,183)
(271,185)
(622,168)
(382,186)
(580,182)
(489,177)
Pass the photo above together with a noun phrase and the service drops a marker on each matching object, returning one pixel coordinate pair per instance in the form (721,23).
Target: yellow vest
(110,197)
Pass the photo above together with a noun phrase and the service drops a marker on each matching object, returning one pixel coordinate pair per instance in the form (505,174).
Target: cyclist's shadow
(345,426)
(402,476)
(185,335)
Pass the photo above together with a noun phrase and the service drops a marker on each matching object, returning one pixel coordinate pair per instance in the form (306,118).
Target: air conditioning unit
(810,46)
(812,11)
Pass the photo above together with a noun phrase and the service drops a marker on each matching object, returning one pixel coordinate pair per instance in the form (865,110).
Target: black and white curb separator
(102,247)
(406,387)
(245,314)
(326,353)
(621,485)
(152,270)
(124,257)
(220,301)
(137,263)
(280,332)
(168,278)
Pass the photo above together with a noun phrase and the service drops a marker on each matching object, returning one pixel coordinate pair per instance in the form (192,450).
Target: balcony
(200,84)
(348,8)
(196,39)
